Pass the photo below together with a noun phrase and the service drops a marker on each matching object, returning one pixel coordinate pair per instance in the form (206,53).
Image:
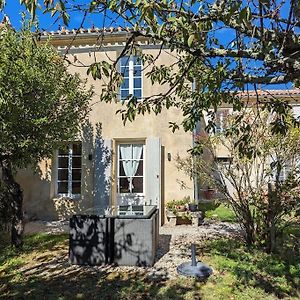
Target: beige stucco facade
(41,199)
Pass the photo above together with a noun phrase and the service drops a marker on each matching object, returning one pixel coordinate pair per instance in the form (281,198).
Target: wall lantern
(169,156)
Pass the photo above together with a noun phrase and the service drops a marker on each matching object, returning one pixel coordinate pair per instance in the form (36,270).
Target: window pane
(76,174)
(137,72)
(138,93)
(77,149)
(62,187)
(121,169)
(125,72)
(126,149)
(63,174)
(137,184)
(142,154)
(124,60)
(125,84)
(137,82)
(63,162)
(139,171)
(76,162)
(76,187)
(124,94)
(123,185)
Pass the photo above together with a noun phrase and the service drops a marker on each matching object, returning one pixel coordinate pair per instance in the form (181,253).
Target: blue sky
(14,10)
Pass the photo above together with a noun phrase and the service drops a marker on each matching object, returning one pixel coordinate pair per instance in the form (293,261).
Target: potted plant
(176,208)
(193,206)
(171,208)
(180,207)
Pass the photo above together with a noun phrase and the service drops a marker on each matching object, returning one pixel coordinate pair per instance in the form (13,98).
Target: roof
(89,37)
(292,93)
(253,93)
(95,30)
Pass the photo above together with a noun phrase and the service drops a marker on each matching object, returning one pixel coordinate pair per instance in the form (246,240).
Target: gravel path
(174,247)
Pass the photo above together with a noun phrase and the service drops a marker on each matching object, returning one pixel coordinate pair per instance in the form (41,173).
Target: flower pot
(193,207)
(180,207)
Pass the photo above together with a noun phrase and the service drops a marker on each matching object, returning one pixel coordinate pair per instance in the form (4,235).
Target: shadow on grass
(42,271)
(35,242)
(100,284)
(274,273)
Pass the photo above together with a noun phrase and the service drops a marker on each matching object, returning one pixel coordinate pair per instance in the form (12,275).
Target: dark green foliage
(41,107)
(5,206)
(41,104)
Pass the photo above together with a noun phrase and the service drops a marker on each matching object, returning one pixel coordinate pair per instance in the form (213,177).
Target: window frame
(70,168)
(131,77)
(118,168)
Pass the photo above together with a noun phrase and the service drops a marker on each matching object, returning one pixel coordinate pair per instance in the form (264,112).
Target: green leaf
(66,18)
(160,30)
(190,40)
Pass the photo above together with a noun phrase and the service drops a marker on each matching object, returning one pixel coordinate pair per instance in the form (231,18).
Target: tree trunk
(15,191)
(249,226)
(269,220)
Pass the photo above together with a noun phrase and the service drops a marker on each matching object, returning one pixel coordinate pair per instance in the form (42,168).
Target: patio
(173,248)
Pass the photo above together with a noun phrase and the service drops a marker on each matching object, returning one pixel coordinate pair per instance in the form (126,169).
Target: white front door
(131,174)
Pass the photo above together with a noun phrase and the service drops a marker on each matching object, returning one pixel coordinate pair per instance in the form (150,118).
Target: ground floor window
(69,170)
(131,168)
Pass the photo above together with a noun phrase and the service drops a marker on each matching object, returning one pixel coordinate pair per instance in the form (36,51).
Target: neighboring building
(222,153)
(132,164)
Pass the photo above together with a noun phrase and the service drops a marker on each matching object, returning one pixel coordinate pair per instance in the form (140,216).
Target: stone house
(117,164)
(132,164)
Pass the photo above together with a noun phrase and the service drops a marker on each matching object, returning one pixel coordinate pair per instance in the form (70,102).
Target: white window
(221,120)
(285,171)
(131,69)
(69,170)
(131,168)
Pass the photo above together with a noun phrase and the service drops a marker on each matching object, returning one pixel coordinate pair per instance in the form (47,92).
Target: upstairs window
(69,170)
(131,69)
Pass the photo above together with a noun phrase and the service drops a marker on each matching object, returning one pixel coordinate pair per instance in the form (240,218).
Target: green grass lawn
(41,271)
(217,211)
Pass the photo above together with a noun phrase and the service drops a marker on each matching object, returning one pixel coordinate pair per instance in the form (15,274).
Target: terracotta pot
(180,207)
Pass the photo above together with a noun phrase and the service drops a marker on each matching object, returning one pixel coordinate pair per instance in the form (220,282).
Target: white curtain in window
(131,154)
